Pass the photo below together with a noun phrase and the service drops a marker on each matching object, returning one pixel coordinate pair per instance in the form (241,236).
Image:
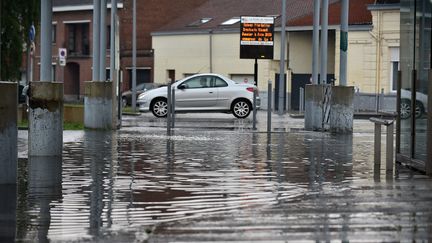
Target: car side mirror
(182,86)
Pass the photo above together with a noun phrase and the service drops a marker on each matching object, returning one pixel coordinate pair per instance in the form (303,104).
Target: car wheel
(241,108)
(405,111)
(124,102)
(419,109)
(159,107)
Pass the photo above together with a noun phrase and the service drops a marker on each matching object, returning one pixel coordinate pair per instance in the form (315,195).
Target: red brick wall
(151,15)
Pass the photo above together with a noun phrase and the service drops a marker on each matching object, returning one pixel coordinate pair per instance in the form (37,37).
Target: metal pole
(1,6)
(269,105)
(389,148)
(315,42)
(344,43)
(96,39)
(282,61)
(112,39)
(324,41)
(254,110)
(173,108)
(103,37)
(46,45)
(169,106)
(134,56)
(377,145)
(113,77)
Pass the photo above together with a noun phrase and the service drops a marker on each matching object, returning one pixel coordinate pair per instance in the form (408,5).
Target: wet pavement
(215,180)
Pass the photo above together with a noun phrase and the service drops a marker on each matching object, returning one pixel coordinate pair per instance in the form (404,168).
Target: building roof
(211,15)
(358,14)
(58,3)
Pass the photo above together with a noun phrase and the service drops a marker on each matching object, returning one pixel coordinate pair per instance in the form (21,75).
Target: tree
(16,17)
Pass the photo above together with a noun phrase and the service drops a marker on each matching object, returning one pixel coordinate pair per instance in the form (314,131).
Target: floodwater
(138,185)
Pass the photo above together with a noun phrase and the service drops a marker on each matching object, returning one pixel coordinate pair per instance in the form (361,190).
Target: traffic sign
(62,56)
(32,33)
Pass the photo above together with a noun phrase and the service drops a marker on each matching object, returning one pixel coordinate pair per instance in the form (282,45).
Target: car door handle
(211,92)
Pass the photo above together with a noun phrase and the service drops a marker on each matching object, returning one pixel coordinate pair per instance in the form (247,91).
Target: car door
(196,93)
(225,93)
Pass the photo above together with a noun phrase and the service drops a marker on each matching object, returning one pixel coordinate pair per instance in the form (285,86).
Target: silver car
(202,93)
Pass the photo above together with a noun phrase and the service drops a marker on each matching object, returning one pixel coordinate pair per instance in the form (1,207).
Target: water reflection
(119,185)
(44,188)
(8,209)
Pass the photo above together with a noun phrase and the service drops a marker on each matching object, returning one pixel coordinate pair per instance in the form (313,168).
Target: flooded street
(216,180)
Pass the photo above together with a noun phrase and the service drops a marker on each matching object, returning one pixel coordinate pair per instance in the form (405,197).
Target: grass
(66,125)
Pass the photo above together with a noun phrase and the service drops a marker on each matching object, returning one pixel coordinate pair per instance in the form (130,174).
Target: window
(77,39)
(231,21)
(217,82)
(54,34)
(198,82)
(199,22)
(394,67)
(71,38)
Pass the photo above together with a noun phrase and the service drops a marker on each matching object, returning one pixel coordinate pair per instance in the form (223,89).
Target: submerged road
(216,180)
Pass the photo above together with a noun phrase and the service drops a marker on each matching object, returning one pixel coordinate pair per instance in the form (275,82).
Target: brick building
(72,29)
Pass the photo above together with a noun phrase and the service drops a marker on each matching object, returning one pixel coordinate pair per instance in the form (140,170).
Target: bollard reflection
(8,208)
(44,187)
(98,151)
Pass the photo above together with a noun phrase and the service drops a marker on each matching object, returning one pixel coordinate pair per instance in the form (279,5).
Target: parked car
(202,93)
(420,104)
(140,88)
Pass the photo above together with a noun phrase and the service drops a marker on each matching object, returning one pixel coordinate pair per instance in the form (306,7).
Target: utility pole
(344,43)
(282,61)
(46,41)
(103,43)
(134,57)
(1,6)
(315,42)
(324,41)
(96,40)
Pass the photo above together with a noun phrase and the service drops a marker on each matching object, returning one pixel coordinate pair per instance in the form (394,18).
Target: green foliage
(16,18)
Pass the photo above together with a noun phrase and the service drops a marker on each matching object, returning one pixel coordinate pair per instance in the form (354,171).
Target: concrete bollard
(45,119)
(8,132)
(314,96)
(342,109)
(98,106)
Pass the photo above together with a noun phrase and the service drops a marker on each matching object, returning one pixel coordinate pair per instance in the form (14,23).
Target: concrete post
(344,43)
(342,109)
(8,210)
(324,41)
(96,39)
(46,41)
(314,96)
(282,61)
(102,44)
(46,119)
(8,133)
(98,112)
(315,42)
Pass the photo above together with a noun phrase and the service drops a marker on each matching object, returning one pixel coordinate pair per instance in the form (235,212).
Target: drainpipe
(378,61)
(211,50)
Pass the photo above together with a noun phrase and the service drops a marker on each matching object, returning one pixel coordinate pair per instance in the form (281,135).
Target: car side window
(197,82)
(218,82)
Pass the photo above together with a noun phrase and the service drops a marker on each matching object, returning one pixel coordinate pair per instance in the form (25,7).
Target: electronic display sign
(256,37)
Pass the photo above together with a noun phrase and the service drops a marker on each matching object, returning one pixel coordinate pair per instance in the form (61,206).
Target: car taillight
(250,89)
